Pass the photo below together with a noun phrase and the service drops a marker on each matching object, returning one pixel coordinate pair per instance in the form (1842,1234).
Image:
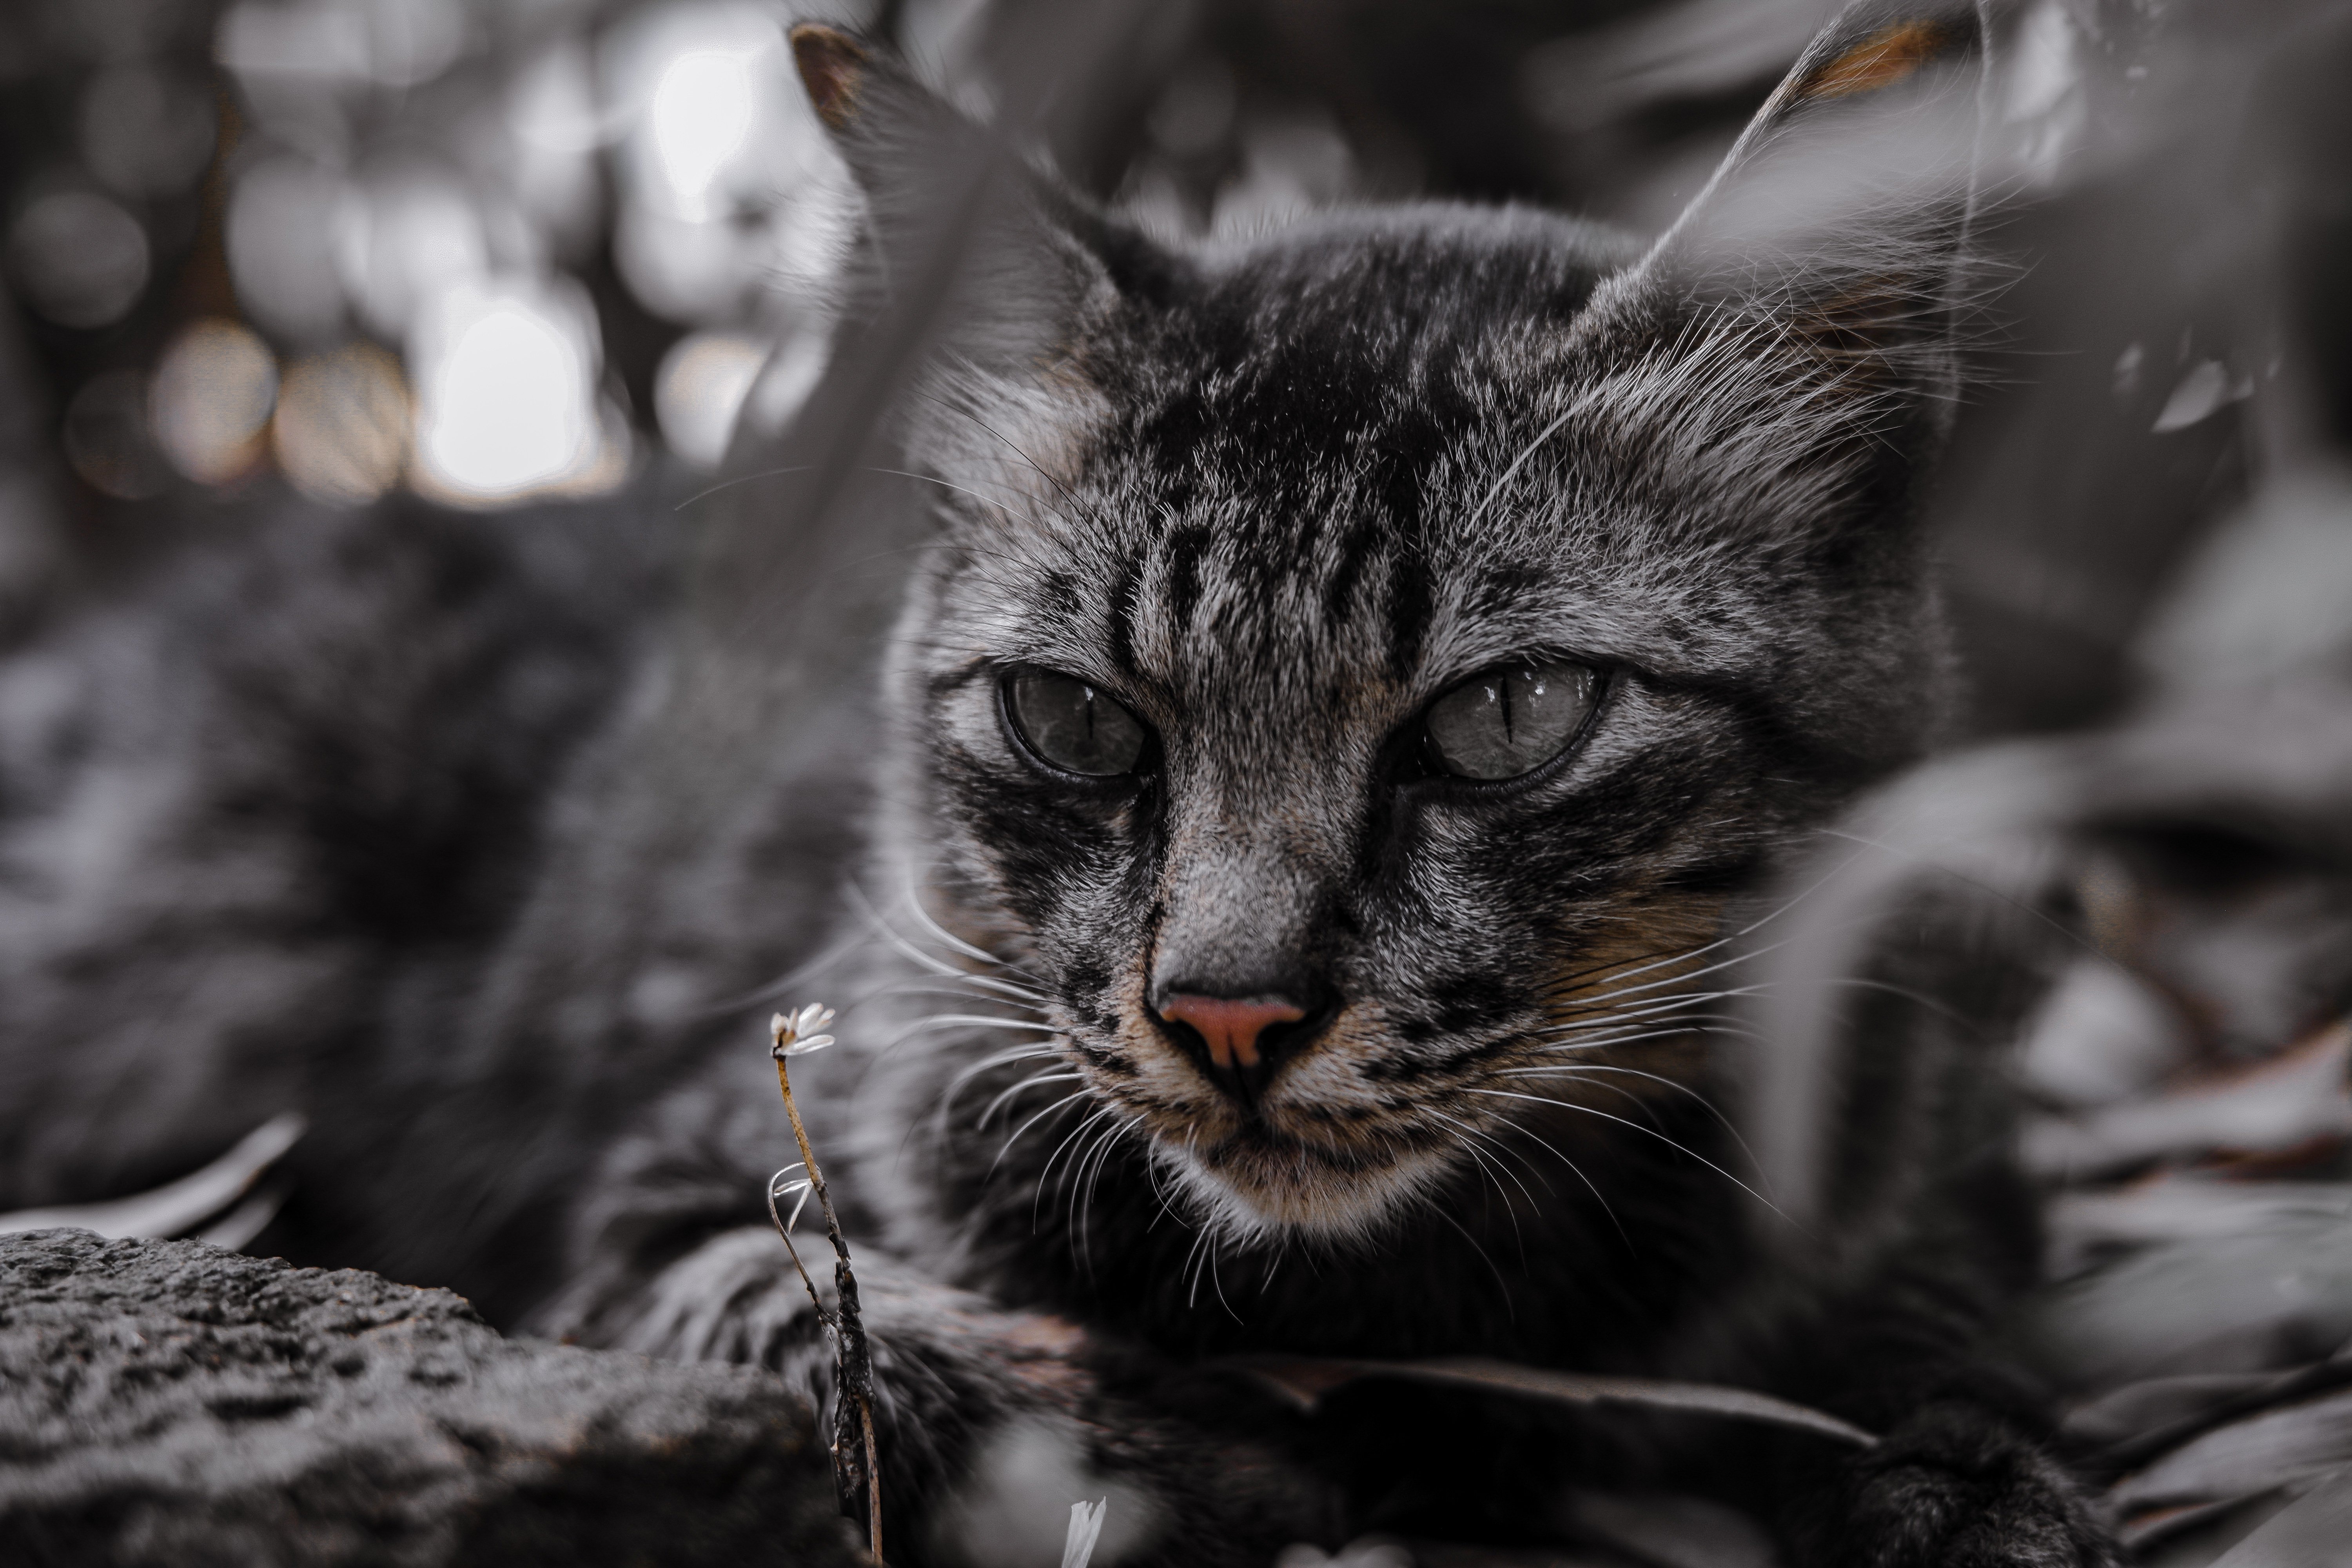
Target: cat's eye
(1507,722)
(1072,725)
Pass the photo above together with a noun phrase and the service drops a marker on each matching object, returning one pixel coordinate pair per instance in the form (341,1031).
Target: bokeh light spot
(210,398)
(505,382)
(146,134)
(699,390)
(400,237)
(106,437)
(77,258)
(700,113)
(282,224)
(342,430)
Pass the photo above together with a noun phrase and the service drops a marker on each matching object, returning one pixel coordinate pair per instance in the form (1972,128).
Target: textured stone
(172,1402)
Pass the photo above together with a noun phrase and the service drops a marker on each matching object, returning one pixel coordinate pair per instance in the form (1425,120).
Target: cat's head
(1358,662)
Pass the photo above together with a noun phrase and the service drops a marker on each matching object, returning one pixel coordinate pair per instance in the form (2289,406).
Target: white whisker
(1033,1079)
(1006,1147)
(1605,1116)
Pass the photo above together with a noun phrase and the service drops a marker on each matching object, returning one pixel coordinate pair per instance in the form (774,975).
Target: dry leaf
(1307,1379)
(2246,1458)
(183,1207)
(2314,1529)
(2291,1099)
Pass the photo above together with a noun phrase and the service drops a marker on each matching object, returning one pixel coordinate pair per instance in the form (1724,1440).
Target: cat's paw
(1955,1487)
(735,1298)
(992,1422)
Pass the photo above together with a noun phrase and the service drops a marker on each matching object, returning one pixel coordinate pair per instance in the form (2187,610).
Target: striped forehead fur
(1703,453)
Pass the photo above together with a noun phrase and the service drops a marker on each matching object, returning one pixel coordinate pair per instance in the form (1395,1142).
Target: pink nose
(1230,1028)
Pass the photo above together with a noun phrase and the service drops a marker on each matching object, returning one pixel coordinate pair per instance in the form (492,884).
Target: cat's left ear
(1840,218)
(1013,262)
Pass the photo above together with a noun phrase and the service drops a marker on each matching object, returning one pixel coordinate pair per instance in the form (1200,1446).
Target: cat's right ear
(1006,264)
(1841,216)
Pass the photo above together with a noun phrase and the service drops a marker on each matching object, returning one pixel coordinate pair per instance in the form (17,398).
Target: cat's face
(1379,658)
(1358,667)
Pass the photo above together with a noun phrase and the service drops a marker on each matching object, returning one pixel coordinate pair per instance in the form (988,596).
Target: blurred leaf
(2179,1206)
(2139,1412)
(2313,1531)
(2246,1458)
(2291,1099)
(2270,1297)
(1307,1379)
(182,1207)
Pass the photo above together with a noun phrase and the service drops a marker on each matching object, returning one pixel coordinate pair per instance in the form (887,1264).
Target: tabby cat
(1366,679)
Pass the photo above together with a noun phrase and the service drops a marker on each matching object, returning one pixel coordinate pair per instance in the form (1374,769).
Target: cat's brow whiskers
(1041,472)
(741,479)
(988,501)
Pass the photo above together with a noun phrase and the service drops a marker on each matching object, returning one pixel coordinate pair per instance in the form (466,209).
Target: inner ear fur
(830,63)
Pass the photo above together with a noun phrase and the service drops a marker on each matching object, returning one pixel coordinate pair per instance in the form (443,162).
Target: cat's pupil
(1072,726)
(1502,724)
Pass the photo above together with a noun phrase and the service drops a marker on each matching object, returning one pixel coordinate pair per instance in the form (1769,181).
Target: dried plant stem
(854,1362)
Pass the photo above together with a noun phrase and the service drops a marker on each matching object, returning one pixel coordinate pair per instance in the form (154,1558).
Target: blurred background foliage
(491,251)
(517,249)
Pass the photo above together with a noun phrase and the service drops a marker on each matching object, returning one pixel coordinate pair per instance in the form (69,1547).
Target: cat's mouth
(1321,1149)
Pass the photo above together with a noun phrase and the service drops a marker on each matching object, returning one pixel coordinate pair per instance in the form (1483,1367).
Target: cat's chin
(1277,1193)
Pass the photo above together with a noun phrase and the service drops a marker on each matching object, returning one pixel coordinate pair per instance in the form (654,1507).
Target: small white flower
(794,1032)
(1086,1529)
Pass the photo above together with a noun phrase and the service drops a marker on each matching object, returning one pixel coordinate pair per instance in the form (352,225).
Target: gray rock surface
(167,1402)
